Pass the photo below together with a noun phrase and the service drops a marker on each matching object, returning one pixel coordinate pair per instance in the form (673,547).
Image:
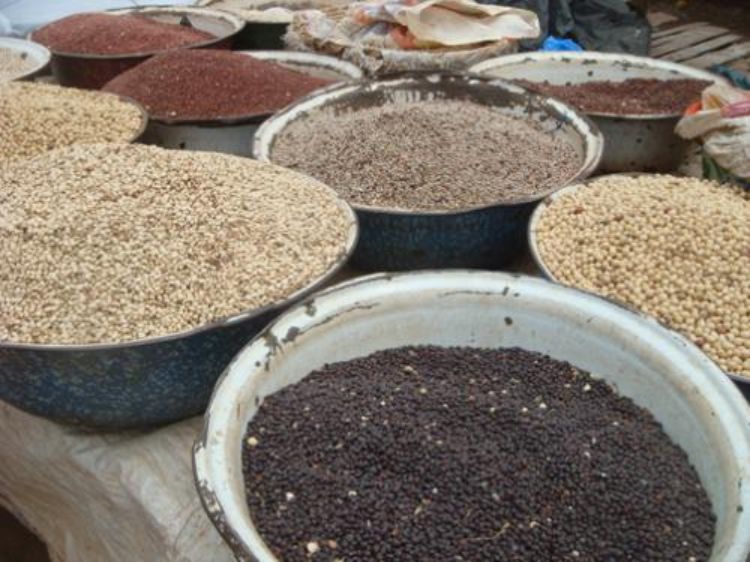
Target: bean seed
(116,34)
(637,96)
(382,471)
(110,243)
(676,248)
(434,155)
(211,84)
(35,118)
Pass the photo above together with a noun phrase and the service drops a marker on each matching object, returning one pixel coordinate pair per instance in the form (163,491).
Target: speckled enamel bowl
(138,383)
(486,237)
(658,369)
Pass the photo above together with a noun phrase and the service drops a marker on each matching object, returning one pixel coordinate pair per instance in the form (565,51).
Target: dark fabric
(598,25)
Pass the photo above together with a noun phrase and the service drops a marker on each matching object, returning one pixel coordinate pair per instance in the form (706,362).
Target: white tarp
(125,497)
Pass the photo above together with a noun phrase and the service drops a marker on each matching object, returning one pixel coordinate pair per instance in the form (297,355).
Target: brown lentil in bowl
(204,84)
(115,34)
(635,96)
(437,155)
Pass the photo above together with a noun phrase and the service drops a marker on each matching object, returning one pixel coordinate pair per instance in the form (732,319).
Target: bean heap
(35,118)
(676,248)
(637,96)
(116,34)
(425,156)
(466,454)
(209,84)
(14,63)
(108,243)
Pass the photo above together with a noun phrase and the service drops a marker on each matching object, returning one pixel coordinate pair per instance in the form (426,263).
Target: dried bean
(435,155)
(676,248)
(466,454)
(109,243)
(210,84)
(14,63)
(637,96)
(111,34)
(35,118)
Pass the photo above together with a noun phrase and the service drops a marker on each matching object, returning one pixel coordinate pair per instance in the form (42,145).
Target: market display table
(116,497)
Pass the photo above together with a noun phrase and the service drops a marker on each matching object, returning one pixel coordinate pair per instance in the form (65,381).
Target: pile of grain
(202,84)
(676,248)
(116,34)
(35,118)
(459,454)
(109,243)
(430,155)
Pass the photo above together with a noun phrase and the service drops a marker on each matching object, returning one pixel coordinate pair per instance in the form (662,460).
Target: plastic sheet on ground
(106,497)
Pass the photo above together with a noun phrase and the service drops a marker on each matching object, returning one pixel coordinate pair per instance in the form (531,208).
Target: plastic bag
(721,121)
(556,44)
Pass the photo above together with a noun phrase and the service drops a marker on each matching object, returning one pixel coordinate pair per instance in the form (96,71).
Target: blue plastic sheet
(552,43)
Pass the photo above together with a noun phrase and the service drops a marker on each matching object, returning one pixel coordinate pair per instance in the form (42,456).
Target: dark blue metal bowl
(138,383)
(480,237)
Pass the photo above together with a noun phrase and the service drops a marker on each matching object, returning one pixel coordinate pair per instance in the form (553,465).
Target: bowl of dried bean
(635,101)
(673,247)
(90,49)
(472,415)
(21,59)
(37,117)
(442,169)
(133,274)
(204,99)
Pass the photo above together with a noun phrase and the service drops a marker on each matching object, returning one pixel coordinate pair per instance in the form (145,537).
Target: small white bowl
(36,52)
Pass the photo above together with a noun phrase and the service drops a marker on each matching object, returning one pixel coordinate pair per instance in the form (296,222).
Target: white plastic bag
(722,124)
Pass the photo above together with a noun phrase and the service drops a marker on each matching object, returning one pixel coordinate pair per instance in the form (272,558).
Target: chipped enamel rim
(690,379)
(588,58)
(591,138)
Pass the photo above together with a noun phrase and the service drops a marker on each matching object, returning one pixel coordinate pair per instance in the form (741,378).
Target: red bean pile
(200,84)
(468,454)
(637,96)
(110,34)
